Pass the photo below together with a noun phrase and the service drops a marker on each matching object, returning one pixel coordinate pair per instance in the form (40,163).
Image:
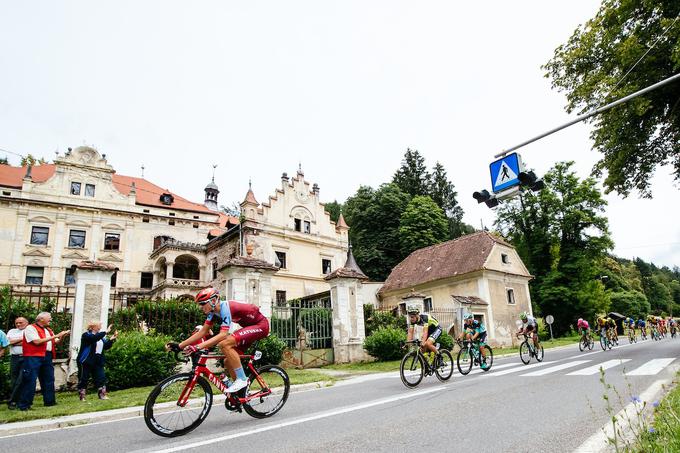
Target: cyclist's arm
(426,331)
(212,341)
(410,334)
(195,337)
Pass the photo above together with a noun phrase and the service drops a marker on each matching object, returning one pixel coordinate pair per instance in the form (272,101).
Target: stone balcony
(179,283)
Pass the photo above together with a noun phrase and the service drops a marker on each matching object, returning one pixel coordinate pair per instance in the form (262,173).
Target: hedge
(385,343)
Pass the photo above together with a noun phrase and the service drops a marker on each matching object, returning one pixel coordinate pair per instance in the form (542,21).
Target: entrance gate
(306,326)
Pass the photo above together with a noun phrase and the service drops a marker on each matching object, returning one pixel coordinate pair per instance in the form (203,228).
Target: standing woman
(93,343)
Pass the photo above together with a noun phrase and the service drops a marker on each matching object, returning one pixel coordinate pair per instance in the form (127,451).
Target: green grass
(564,341)
(68,403)
(663,433)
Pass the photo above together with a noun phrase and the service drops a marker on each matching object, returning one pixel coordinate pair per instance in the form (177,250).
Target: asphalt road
(552,406)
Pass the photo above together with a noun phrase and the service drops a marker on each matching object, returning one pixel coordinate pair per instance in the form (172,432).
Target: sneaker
(226,380)
(237,385)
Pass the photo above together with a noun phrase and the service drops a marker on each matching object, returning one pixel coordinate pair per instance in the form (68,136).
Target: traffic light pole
(584,117)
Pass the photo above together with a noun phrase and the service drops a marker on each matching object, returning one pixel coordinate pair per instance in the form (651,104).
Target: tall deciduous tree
(412,177)
(598,65)
(422,224)
(374,217)
(334,209)
(562,234)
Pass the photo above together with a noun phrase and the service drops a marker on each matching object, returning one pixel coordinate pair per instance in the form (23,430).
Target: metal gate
(306,326)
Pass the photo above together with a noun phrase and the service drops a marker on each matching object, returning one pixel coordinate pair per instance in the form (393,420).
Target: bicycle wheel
(583,344)
(591,343)
(444,368)
(272,385)
(412,369)
(163,415)
(464,360)
(488,354)
(603,342)
(539,353)
(525,352)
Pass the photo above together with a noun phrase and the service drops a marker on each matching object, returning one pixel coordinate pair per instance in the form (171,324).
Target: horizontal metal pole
(592,113)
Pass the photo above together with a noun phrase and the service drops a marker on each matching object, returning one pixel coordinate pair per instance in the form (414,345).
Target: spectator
(4,342)
(39,349)
(16,337)
(93,343)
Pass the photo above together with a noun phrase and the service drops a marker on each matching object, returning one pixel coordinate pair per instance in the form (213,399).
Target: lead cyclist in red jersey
(255,326)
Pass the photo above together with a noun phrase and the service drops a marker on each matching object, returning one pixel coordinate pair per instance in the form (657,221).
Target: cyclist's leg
(429,344)
(231,358)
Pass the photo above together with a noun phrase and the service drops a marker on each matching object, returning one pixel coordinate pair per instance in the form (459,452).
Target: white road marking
(651,368)
(298,421)
(514,370)
(595,369)
(552,369)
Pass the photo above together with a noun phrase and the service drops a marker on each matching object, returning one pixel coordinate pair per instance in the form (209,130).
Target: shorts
(532,328)
(482,337)
(434,332)
(248,335)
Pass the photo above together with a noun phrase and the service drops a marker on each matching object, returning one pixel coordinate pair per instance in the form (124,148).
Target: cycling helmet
(580,320)
(413,310)
(469,316)
(206,294)
(523,316)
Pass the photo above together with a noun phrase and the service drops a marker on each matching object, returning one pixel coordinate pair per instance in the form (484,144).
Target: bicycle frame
(200,369)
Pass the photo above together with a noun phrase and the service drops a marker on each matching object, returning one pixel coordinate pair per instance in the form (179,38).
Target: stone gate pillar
(348,311)
(92,296)
(250,280)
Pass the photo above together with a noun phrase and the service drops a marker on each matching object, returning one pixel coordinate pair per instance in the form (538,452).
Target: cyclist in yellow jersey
(431,328)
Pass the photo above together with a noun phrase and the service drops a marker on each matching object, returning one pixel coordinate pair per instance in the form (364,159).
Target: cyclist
(653,325)
(662,326)
(642,325)
(601,324)
(583,327)
(630,323)
(475,331)
(672,326)
(611,329)
(430,334)
(529,327)
(254,325)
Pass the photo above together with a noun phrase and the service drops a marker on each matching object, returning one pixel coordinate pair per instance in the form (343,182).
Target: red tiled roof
(148,194)
(457,257)
(250,198)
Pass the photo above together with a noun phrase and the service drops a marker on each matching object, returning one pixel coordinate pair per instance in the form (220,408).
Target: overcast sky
(343,87)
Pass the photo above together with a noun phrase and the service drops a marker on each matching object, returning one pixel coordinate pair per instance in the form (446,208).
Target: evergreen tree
(412,177)
(422,224)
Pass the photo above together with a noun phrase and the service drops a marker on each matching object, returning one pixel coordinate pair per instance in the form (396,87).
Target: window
(69,277)
(196,217)
(214,269)
(167,199)
(171,221)
(39,235)
(325,266)
(145,219)
(114,277)
(298,225)
(112,241)
(195,225)
(76,239)
(427,304)
(308,227)
(89,190)
(75,188)
(511,295)
(281,256)
(146,281)
(505,259)
(34,275)
(146,210)
(280,298)
(172,214)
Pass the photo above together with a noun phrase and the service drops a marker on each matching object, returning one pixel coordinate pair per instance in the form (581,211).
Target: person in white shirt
(529,327)
(15,337)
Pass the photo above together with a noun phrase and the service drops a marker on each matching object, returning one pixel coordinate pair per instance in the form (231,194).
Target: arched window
(186,266)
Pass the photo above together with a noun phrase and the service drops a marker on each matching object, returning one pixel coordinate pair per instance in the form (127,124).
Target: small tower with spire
(211,192)
(249,204)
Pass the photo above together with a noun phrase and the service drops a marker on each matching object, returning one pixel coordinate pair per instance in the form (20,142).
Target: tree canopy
(422,224)
(597,65)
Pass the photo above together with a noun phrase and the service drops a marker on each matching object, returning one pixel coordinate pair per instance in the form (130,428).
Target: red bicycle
(180,403)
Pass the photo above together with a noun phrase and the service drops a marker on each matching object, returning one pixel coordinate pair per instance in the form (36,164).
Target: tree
(374,217)
(412,177)
(334,209)
(32,161)
(443,192)
(593,66)
(422,224)
(4,161)
(562,235)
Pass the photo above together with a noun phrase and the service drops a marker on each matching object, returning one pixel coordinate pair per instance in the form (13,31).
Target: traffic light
(529,180)
(483,196)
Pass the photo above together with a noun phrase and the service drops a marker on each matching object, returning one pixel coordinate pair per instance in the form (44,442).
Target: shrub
(12,307)
(445,341)
(271,348)
(384,344)
(284,328)
(4,378)
(374,320)
(136,360)
(173,317)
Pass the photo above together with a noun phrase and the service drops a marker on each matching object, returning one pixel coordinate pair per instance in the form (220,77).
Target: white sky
(343,87)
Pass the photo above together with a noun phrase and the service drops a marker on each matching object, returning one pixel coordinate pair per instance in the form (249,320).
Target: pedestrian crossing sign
(505,172)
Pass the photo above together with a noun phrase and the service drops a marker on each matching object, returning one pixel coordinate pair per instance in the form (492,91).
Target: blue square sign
(505,172)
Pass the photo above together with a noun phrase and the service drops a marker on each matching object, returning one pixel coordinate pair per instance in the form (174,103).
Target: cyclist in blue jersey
(475,331)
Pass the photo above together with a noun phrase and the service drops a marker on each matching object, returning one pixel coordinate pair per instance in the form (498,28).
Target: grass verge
(663,433)
(68,403)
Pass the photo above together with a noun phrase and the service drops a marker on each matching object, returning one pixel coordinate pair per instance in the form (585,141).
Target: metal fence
(303,327)
(396,317)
